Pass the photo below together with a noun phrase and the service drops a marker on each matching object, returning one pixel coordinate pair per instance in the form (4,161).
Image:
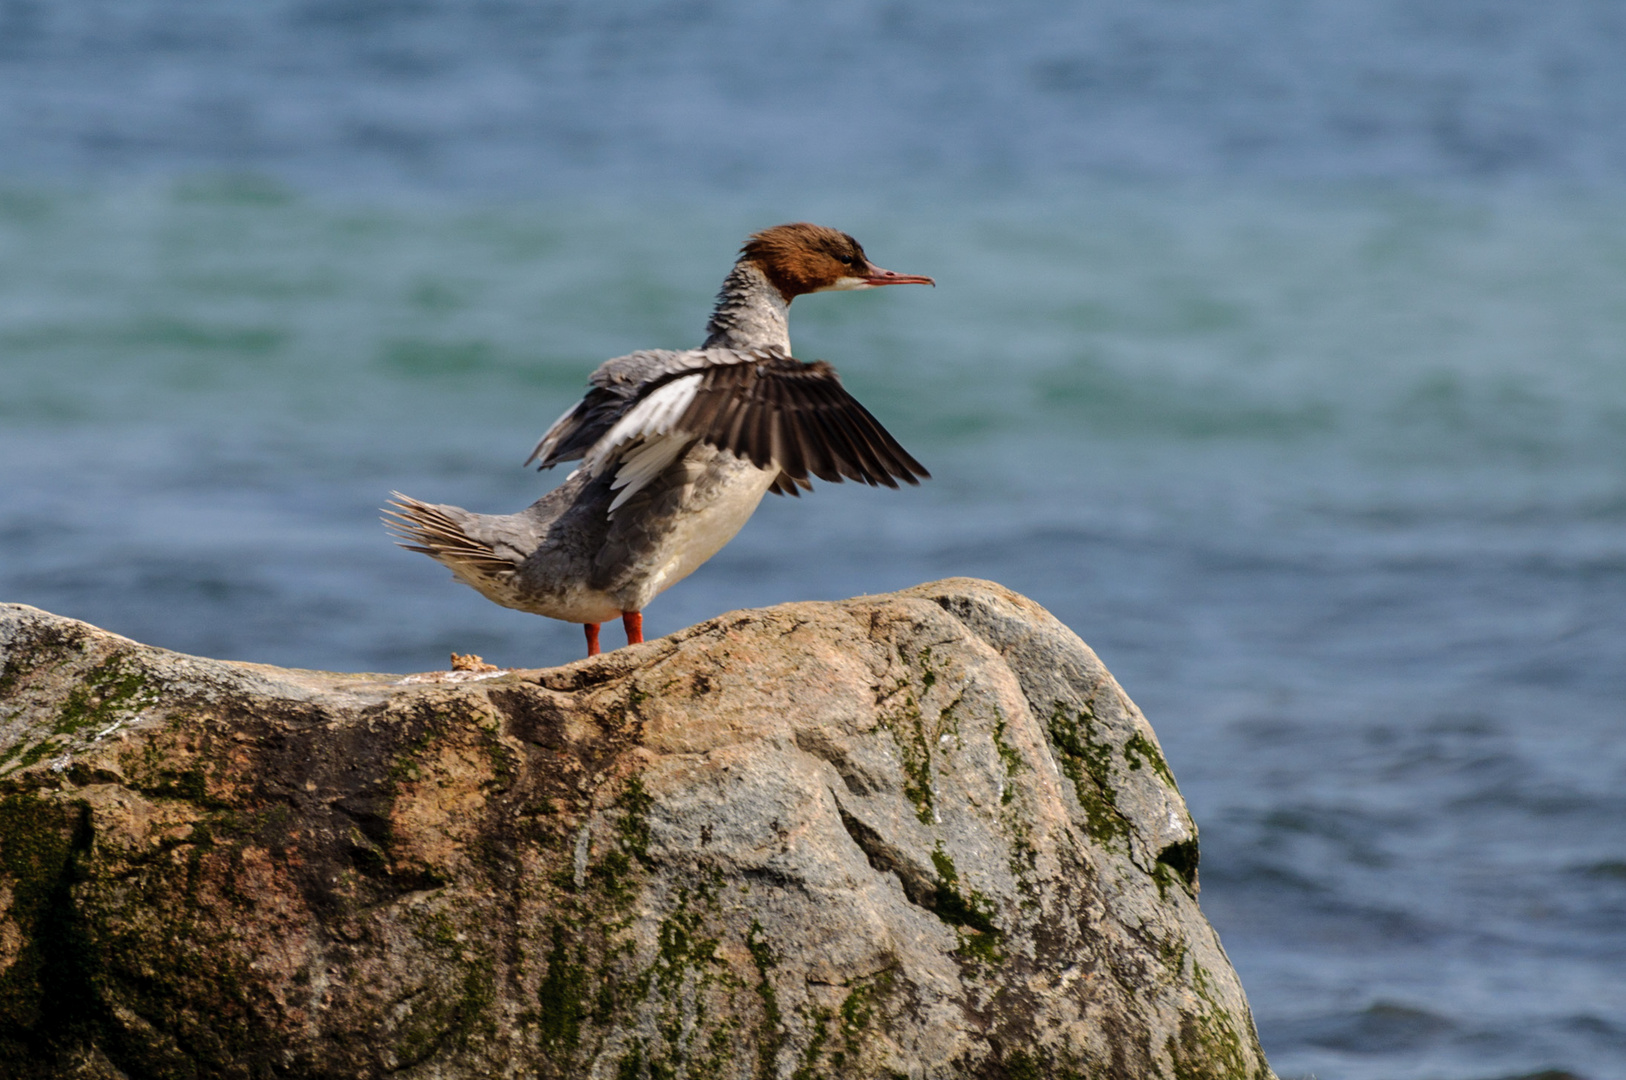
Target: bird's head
(803,258)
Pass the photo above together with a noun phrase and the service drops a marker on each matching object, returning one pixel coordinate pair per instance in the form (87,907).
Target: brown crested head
(804,258)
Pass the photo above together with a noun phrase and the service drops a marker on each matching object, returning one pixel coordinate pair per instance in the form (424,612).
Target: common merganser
(677,450)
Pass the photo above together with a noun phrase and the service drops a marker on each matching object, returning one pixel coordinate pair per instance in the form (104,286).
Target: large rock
(917,835)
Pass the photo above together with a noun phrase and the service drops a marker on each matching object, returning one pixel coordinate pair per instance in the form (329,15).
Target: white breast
(710,522)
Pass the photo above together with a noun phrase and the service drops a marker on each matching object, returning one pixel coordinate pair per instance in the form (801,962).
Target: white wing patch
(647,461)
(646,440)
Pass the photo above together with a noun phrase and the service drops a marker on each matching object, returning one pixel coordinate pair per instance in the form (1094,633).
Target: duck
(677,449)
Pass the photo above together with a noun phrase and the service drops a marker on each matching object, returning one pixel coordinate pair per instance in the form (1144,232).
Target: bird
(677,449)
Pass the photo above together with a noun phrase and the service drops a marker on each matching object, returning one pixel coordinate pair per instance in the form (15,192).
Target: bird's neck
(750,312)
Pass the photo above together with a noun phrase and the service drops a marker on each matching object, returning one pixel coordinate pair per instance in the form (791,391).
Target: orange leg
(592,638)
(633,622)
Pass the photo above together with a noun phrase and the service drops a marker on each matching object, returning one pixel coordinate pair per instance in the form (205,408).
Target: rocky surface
(916,835)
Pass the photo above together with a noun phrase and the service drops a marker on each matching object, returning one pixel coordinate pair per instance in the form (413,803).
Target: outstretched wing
(797,416)
(616,386)
(770,409)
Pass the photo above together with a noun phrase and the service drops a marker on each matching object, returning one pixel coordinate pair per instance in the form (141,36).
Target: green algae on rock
(917,835)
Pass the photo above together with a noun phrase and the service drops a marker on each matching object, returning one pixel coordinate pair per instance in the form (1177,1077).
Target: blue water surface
(1280,350)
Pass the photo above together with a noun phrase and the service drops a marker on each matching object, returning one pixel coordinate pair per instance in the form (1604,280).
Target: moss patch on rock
(1087,762)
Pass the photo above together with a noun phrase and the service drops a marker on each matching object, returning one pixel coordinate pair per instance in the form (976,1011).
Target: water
(504,94)
(1279,352)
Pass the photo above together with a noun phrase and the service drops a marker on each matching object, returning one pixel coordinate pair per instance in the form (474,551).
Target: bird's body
(677,450)
(568,557)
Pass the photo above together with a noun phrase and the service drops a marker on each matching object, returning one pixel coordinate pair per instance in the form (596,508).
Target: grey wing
(638,369)
(768,408)
(614,386)
(617,385)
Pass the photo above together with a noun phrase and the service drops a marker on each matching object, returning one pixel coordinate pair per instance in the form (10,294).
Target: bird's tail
(432,530)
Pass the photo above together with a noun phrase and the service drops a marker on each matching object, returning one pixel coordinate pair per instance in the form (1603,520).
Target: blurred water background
(1278,349)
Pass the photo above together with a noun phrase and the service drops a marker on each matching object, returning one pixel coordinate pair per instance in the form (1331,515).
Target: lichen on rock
(916,835)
